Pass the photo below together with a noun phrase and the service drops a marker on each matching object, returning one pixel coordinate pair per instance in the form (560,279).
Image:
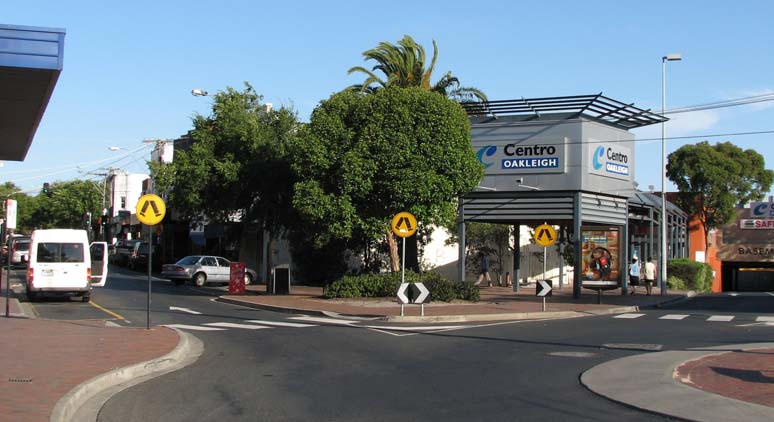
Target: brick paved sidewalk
(42,360)
(746,375)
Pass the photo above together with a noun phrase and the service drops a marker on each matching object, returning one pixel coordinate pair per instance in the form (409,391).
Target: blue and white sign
(611,159)
(762,209)
(523,157)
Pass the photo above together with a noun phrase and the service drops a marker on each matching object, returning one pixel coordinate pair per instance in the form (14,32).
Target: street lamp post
(663,225)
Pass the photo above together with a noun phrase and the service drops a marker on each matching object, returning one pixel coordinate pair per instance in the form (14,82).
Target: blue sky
(129,67)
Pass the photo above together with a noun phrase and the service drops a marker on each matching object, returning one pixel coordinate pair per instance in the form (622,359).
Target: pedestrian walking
(634,275)
(484,271)
(649,274)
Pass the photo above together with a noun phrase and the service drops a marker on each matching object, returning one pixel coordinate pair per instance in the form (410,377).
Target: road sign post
(404,225)
(543,289)
(150,210)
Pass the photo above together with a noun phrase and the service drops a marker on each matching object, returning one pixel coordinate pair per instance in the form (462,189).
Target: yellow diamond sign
(150,209)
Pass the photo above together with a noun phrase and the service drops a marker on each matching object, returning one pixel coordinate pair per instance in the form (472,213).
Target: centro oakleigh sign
(523,158)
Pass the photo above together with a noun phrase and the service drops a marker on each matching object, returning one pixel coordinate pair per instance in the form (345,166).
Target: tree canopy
(67,205)
(367,157)
(236,164)
(713,179)
(405,65)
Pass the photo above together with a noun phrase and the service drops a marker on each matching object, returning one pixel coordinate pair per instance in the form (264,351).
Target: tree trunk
(394,257)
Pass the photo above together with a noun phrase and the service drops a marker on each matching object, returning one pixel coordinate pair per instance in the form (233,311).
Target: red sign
(236,283)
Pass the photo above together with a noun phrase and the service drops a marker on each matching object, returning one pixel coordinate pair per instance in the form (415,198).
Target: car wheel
(248,279)
(200,279)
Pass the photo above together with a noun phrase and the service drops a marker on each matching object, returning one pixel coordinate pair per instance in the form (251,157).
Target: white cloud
(682,124)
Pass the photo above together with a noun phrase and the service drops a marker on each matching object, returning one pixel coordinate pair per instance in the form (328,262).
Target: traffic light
(46,189)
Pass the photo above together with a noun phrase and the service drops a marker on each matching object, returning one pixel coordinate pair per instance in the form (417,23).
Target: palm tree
(403,65)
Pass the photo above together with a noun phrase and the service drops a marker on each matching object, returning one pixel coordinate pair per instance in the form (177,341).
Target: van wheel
(32,296)
(200,279)
(248,279)
(85,298)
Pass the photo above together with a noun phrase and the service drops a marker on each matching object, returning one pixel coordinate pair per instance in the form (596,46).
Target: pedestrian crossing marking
(233,325)
(629,316)
(722,318)
(675,317)
(765,319)
(280,324)
(324,320)
(193,327)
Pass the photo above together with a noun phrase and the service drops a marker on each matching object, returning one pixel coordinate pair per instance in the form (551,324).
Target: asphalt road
(268,366)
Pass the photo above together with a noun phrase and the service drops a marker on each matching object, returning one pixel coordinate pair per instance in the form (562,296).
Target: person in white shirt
(634,274)
(649,274)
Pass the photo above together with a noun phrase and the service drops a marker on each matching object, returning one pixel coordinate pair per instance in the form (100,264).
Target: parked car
(19,251)
(123,251)
(138,260)
(202,269)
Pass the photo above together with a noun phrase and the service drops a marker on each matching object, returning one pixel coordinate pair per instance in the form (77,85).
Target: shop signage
(762,209)
(758,251)
(611,159)
(523,158)
(755,224)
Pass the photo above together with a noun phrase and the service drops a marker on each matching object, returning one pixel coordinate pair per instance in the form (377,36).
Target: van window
(60,252)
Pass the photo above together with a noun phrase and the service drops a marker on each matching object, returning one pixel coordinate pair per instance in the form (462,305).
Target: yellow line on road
(107,311)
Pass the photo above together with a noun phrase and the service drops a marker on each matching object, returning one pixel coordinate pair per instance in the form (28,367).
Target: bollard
(507,279)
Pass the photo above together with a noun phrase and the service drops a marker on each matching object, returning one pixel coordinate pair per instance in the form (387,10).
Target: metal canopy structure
(594,107)
(30,64)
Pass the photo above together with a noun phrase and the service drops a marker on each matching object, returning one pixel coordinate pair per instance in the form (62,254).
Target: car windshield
(189,260)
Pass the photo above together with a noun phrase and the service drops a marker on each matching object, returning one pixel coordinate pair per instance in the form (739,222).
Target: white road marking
(675,317)
(193,327)
(723,318)
(629,316)
(280,324)
(765,319)
(425,328)
(233,325)
(190,311)
(324,320)
(770,293)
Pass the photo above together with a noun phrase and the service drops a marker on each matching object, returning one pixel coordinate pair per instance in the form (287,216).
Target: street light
(663,253)
(199,93)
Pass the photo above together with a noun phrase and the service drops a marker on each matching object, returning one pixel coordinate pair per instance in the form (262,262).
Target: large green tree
(405,65)
(68,204)
(367,157)
(236,165)
(25,206)
(713,179)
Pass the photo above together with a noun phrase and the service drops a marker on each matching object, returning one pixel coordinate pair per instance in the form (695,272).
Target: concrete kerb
(84,401)
(507,316)
(646,382)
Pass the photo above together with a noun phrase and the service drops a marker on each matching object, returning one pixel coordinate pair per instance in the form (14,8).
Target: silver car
(202,269)
(20,251)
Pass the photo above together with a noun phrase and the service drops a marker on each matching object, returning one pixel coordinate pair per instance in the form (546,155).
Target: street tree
(405,65)
(713,179)
(68,205)
(367,157)
(25,206)
(236,169)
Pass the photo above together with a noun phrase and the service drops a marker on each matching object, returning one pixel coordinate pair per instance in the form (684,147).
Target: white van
(61,261)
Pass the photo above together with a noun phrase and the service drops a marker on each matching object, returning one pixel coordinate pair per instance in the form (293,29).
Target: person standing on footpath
(634,274)
(649,274)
